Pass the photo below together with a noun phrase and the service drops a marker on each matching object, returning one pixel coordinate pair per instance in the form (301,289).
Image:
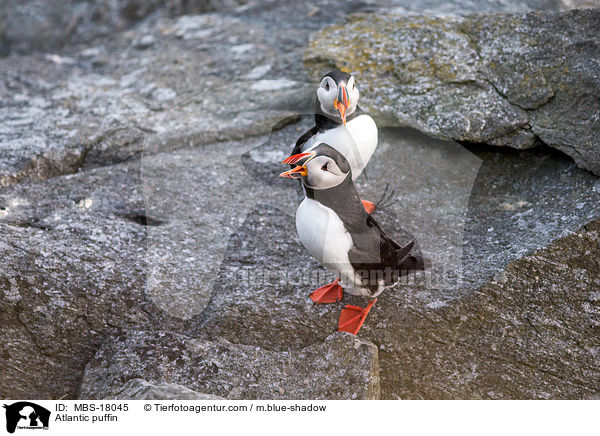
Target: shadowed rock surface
(532,332)
(144,232)
(495,79)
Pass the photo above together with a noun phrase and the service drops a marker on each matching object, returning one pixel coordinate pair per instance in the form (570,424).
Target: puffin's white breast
(356,140)
(323,234)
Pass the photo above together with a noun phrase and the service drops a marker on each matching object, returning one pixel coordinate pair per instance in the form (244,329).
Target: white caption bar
(176,417)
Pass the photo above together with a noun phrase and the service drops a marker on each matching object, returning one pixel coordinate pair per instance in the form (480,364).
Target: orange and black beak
(342,102)
(300,161)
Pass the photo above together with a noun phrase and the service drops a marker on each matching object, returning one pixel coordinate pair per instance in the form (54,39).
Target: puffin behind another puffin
(340,123)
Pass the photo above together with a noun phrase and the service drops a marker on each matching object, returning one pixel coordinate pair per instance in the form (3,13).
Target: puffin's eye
(326,86)
(324,167)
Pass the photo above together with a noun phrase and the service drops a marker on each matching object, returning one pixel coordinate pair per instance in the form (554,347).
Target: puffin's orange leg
(369,207)
(353,317)
(331,293)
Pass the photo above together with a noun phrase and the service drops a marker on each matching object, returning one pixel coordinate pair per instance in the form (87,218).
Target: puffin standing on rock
(336,229)
(340,123)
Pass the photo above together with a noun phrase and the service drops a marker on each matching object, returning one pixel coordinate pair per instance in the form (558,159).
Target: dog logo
(26,415)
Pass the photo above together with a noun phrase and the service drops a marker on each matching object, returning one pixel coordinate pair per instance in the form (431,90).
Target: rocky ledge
(342,367)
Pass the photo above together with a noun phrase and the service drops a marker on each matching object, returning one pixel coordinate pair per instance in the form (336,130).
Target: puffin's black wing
(302,140)
(374,253)
(366,263)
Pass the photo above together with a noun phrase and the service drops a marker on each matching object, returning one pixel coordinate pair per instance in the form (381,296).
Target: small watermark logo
(26,415)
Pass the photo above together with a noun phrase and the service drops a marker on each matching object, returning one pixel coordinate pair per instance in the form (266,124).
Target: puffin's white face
(338,99)
(322,173)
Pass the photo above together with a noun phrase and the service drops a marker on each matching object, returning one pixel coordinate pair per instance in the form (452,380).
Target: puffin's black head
(338,76)
(337,95)
(321,168)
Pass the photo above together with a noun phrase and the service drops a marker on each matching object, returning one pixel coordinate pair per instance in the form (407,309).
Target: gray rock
(532,332)
(34,25)
(38,25)
(38,137)
(579,4)
(111,248)
(78,269)
(499,79)
(72,272)
(138,389)
(205,195)
(314,14)
(62,114)
(80,257)
(102,104)
(342,367)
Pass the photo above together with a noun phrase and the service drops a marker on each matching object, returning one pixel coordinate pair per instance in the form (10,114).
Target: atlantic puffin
(340,123)
(336,229)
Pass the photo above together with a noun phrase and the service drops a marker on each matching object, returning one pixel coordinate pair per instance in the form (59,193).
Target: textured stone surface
(496,79)
(75,246)
(532,332)
(204,194)
(96,107)
(76,250)
(138,389)
(528,332)
(73,271)
(342,367)
(39,25)
(473,205)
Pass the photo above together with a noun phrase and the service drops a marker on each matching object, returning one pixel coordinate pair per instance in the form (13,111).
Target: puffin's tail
(409,262)
(402,252)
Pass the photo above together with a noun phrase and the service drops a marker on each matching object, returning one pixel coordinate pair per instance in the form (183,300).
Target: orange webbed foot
(331,293)
(353,317)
